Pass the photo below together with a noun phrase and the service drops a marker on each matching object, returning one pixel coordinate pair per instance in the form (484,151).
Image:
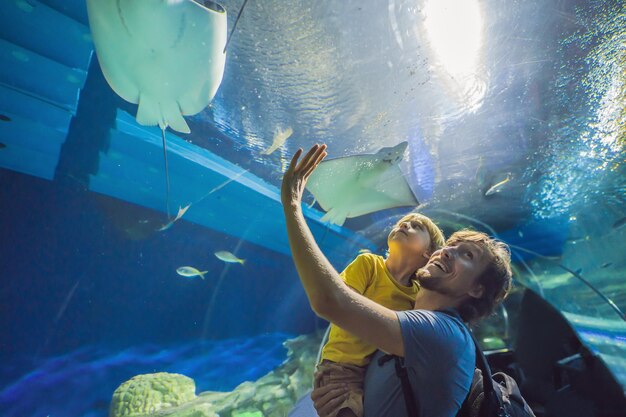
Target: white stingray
(355,185)
(165,55)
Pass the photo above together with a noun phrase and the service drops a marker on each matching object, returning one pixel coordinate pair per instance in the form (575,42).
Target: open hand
(297,174)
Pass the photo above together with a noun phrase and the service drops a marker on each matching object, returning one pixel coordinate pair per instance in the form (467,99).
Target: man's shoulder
(434,336)
(446,315)
(433,327)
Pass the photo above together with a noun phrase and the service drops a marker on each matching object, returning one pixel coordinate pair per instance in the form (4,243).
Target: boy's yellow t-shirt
(369,276)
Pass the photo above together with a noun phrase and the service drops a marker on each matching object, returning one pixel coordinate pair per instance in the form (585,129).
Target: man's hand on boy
(329,397)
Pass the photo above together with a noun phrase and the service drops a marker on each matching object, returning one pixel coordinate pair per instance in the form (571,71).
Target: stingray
(355,185)
(167,56)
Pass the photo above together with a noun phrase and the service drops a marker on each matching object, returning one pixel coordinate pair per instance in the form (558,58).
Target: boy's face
(409,238)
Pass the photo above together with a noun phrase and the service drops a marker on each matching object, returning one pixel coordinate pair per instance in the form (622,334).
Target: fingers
(328,391)
(308,157)
(325,408)
(312,159)
(331,395)
(315,161)
(294,160)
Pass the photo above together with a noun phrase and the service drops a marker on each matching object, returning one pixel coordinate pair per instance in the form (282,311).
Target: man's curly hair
(496,279)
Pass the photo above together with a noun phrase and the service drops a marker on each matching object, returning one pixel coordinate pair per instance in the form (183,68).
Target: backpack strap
(483,365)
(491,399)
(412,405)
(409,399)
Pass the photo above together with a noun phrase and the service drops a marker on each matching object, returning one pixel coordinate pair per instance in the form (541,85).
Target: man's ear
(477,291)
(427,254)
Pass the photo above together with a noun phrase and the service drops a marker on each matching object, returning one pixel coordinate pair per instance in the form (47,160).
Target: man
(466,279)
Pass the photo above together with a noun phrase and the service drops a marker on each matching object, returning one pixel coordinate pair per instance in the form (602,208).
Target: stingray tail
(234,26)
(150,113)
(167,175)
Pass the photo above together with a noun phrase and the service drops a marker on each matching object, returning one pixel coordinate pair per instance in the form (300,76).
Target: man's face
(453,270)
(409,238)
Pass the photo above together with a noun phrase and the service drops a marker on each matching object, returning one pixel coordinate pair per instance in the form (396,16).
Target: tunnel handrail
(610,302)
(553,259)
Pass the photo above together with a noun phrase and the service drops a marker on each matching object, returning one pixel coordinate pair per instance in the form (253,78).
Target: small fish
(619,223)
(5,118)
(497,187)
(190,272)
(2,145)
(606,265)
(520,233)
(279,139)
(361,251)
(228,257)
(181,212)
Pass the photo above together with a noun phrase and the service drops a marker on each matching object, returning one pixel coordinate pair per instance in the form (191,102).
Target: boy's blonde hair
(437,239)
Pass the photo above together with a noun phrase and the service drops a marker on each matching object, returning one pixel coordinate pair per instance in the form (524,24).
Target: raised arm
(328,295)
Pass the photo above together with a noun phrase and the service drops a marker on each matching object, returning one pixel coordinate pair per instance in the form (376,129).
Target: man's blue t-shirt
(440,357)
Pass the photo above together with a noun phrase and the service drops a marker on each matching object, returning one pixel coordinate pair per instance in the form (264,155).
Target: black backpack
(499,397)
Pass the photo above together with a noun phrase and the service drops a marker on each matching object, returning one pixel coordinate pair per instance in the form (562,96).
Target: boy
(388,281)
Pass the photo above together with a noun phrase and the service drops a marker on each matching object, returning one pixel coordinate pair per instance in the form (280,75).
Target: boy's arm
(329,296)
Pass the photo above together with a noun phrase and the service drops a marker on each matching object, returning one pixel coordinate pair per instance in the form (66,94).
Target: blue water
(80,383)
(89,292)
(87,308)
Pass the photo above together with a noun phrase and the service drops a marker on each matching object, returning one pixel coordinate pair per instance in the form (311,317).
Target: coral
(172,395)
(146,394)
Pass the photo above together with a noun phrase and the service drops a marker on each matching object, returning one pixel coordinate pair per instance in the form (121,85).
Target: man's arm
(329,296)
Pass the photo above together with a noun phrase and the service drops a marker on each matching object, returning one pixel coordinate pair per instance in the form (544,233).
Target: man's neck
(431,300)
(401,270)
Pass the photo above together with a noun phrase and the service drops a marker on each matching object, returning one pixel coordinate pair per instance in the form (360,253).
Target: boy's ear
(426,255)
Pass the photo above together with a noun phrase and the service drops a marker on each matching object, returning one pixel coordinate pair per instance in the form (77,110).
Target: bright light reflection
(454,28)
(611,107)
